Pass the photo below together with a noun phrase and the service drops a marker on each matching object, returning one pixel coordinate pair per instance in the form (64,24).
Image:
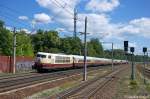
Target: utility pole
(144,69)
(112,57)
(14,51)
(85,52)
(75,22)
(132,60)
(132,65)
(147,59)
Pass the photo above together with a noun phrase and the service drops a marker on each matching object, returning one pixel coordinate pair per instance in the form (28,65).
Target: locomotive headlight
(38,60)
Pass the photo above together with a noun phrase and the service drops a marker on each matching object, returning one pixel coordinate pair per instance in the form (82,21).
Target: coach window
(49,57)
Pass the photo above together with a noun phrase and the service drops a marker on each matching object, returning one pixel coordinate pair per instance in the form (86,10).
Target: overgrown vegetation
(133,84)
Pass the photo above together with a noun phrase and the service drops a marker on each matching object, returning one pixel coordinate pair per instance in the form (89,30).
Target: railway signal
(126,46)
(132,49)
(144,51)
(132,63)
(126,49)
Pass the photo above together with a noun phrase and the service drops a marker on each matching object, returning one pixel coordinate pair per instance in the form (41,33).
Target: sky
(108,20)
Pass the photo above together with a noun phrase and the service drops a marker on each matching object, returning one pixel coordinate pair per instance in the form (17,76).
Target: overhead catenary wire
(56,2)
(13,20)
(67,4)
(12,10)
(63,7)
(9,15)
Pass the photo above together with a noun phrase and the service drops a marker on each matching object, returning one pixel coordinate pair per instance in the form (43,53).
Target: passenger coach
(45,61)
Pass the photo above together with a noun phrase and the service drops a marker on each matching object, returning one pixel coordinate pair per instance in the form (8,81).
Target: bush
(133,84)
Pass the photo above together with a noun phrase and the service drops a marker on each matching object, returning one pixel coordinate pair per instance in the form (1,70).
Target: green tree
(46,41)
(24,45)
(117,54)
(71,45)
(95,48)
(5,40)
(1,24)
(90,50)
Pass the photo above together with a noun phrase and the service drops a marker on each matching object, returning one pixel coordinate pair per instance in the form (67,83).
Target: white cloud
(60,30)
(9,28)
(98,24)
(42,18)
(58,3)
(26,30)
(61,10)
(138,27)
(23,17)
(102,5)
(132,44)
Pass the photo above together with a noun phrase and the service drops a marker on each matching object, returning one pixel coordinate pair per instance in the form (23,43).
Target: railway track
(17,75)
(145,71)
(88,89)
(11,83)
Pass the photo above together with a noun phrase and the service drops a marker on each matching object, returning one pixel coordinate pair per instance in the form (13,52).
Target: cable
(11,9)
(64,7)
(9,18)
(67,4)
(57,3)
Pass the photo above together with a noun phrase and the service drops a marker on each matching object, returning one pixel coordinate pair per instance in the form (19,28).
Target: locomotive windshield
(41,56)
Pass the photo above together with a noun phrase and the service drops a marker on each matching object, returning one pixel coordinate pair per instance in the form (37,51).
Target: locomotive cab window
(41,56)
(38,55)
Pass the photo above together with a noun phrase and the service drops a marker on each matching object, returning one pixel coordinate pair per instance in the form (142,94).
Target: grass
(137,88)
(133,85)
(148,87)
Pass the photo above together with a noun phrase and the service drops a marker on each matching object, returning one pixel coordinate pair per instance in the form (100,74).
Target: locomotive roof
(44,53)
(78,56)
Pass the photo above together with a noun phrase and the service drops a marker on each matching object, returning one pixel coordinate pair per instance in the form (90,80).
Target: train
(45,61)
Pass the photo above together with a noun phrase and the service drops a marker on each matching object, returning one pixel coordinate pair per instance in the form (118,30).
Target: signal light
(132,49)
(126,46)
(144,49)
